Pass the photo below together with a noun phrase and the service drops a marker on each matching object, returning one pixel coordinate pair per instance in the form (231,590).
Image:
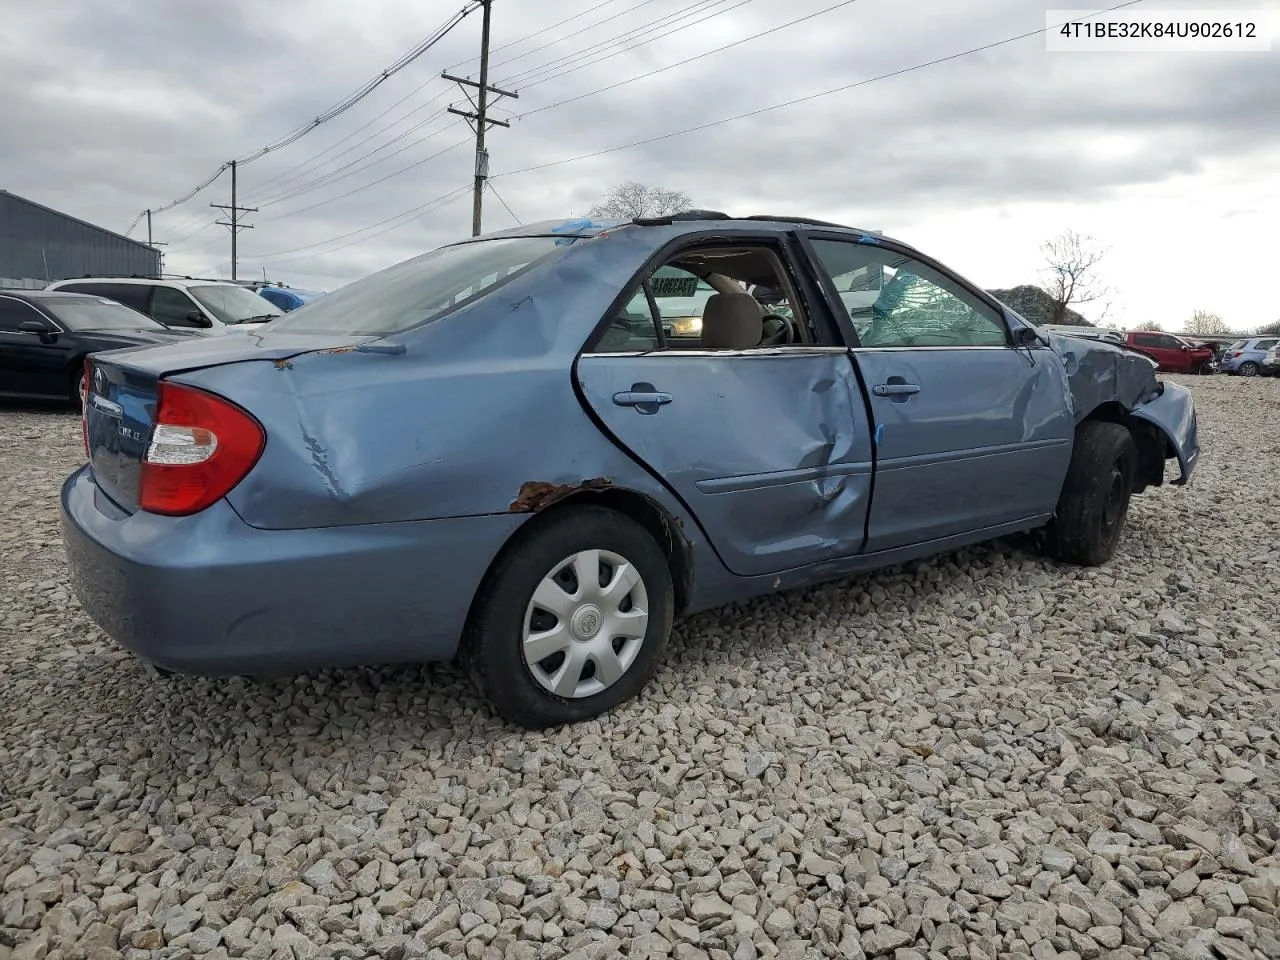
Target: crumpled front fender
(1174,412)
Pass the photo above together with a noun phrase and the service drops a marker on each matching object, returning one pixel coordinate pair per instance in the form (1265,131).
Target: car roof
(42,296)
(156,281)
(693,219)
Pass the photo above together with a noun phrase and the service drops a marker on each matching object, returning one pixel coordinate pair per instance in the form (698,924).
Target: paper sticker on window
(674,286)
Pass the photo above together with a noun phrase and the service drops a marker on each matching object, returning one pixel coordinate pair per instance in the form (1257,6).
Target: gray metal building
(39,245)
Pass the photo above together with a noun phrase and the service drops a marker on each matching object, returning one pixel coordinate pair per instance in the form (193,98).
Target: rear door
(970,432)
(768,446)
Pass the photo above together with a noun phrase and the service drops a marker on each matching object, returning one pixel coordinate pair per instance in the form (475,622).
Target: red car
(1174,354)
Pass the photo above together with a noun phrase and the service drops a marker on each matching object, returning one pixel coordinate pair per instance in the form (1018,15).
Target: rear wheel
(1248,369)
(572,620)
(77,389)
(1095,497)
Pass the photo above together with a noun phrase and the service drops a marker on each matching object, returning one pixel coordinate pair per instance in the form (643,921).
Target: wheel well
(636,506)
(1153,446)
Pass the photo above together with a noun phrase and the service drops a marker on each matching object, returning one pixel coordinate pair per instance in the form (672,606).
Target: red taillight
(84,405)
(201,447)
(1236,354)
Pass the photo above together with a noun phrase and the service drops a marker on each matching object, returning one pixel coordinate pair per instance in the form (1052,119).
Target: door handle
(644,397)
(903,390)
(639,398)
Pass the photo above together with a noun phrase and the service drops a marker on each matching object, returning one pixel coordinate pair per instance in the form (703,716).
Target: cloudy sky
(977,160)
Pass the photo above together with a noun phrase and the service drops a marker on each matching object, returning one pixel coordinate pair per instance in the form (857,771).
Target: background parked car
(1271,361)
(44,338)
(214,305)
(1173,354)
(287,298)
(1246,357)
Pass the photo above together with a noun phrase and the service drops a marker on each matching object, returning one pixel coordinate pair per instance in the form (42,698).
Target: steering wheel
(778,331)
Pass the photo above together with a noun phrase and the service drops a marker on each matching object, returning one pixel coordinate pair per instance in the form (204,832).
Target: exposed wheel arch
(1153,446)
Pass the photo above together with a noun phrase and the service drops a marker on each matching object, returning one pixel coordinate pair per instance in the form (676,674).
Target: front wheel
(572,620)
(1095,496)
(1248,369)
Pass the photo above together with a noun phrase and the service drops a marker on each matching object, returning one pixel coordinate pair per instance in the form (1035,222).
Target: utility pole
(233,222)
(151,243)
(478,118)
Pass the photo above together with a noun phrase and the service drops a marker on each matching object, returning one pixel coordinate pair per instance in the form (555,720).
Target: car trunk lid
(122,387)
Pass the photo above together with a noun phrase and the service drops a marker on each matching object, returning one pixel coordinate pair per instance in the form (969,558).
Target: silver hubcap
(586,623)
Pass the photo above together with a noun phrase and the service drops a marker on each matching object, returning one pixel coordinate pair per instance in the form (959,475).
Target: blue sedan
(500,450)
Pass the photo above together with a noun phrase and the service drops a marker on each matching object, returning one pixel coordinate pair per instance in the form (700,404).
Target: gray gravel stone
(1014,758)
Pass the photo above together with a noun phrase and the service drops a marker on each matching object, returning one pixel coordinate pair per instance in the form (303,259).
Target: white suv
(213,305)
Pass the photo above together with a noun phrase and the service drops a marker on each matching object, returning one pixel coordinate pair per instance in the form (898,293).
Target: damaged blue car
(516,450)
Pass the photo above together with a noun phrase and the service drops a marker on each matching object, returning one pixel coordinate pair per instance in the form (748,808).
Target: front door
(971,433)
(28,365)
(766,443)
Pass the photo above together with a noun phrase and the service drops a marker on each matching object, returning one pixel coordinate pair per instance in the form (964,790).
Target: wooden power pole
(233,218)
(478,117)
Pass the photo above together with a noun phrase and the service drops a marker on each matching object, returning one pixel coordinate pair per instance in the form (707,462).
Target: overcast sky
(112,108)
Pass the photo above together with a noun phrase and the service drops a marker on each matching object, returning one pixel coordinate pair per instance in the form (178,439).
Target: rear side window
(1266,344)
(421,289)
(135,295)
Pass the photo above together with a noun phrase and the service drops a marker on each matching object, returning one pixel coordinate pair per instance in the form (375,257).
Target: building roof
(67,216)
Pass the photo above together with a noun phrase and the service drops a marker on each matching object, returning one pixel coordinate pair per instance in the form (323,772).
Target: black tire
(493,648)
(1095,497)
(1248,369)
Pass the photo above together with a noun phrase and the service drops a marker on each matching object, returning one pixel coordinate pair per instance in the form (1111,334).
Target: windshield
(233,304)
(420,289)
(97,313)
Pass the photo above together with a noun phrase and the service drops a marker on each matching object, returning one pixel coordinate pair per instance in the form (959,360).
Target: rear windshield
(420,289)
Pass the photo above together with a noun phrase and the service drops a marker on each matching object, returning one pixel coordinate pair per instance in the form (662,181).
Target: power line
(799,100)
(569,36)
(680,63)
(559,23)
(366,186)
(337,109)
(504,205)
(527,77)
(643,41)
(333,176)
(289,175)
(422,208)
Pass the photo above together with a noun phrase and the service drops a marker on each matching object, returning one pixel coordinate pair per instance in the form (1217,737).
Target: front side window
(13,313)
(709,298)
(896,301)
(419,290)
(1266,344)
(173,308)
(233,304)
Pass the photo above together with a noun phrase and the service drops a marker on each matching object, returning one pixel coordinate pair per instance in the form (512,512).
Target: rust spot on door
(535,495)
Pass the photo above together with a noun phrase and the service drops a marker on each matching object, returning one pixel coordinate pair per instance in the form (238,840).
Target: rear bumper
(210,595)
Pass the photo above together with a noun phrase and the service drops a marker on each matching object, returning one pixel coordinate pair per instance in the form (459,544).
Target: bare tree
(1150,326)
(1271,329)
(632,199)
(1205,323)
(1072,278)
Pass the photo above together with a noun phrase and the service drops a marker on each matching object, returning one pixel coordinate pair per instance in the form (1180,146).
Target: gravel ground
(983,755)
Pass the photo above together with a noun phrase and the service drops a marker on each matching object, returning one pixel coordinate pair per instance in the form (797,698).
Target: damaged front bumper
(1173,411)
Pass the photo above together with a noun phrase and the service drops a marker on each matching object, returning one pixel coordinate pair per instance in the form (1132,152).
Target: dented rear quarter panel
(480,403)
